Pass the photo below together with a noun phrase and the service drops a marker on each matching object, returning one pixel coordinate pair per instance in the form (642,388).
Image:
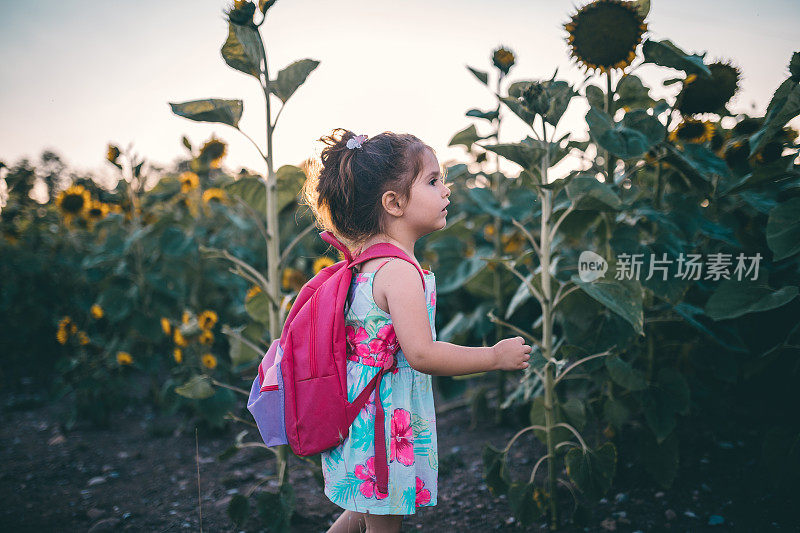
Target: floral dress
(410,421)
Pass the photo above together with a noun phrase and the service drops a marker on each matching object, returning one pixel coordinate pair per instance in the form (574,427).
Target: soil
(141,474)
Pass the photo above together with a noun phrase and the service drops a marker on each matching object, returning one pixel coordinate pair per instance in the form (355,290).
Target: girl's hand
(511,354)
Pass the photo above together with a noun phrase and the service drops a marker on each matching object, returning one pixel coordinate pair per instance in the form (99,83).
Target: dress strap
(379,266)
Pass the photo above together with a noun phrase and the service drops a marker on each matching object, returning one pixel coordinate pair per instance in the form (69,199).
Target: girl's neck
(407,247)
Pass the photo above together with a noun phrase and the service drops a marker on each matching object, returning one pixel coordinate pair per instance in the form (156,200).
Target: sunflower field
(658,284)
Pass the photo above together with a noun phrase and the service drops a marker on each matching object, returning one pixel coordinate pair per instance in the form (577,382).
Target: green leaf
(487,115)
(675,387)
(197,388)
(494,468)
(276,509)
(632,137)
(464,272)
(252,190)
(666,54)
(210,110)
(238,509)
(258,307)
(783,229)
(661,460)
(784,106)
(589,194)
(483,77)
(250,41)
(466,137)
(624,297)
(520,498)
(624,374)
(592,471)
(234,55)
(292,77)
(290,183)
(633,93)
(616,412)
(735,298)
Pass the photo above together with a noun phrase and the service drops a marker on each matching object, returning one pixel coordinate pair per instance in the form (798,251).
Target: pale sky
(77,74)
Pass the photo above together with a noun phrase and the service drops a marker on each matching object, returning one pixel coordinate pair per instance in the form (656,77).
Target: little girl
(389,189)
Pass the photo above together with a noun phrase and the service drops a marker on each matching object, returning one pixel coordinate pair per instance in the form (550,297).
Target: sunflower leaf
(210,110)
(666,54)
(482,76)
(292,77)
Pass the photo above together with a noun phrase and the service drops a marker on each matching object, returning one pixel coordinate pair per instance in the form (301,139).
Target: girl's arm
(406,300)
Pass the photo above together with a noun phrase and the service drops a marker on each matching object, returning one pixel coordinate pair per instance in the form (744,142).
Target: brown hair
(345,190)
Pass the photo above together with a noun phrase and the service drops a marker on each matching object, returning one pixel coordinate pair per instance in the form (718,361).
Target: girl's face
(425,209)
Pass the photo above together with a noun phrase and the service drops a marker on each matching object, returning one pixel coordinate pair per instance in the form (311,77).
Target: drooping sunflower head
(74,201)
(207,319)
(241,12)
(214,193)
(322,262)
(692,131)
(189,180)
(604,34)
(503,59)
(709,95)
(213,151)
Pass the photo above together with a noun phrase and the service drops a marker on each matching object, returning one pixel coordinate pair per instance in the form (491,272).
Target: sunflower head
(74,201)
(124,358)
(213,151)
(322,262)
(503,59)
(83,338)
(189,180)
(96,312)
(771,152)
(214,193)
(96,211)
(209,361)
(293,279)
(737,152)
(536,98)
(179,339)
(604,34)
(112,154)
(241,12)
(747,126)
(207,319)
(692,131)
(177,354)
(709,95)
(166,326)
(206,337)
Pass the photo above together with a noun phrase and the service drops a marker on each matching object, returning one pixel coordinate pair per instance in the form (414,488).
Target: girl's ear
(392,204)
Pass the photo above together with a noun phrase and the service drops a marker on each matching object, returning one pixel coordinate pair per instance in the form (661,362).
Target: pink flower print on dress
(355,343)
(384,342)
(369,486)
(423,494)
(402,443)
(433,300)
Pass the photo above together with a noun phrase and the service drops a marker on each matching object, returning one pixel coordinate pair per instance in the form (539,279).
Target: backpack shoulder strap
(385,249)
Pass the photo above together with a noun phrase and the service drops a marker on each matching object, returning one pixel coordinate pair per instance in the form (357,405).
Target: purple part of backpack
(300,394)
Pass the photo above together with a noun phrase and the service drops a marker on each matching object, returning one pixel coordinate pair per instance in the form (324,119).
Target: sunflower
(747,126)
(255,289)
(74,201)
(165,326)
(213,151)
(692,131)
(604,34)
(241,13)
(97,210)
(292,278)
(186,317)
(179,339)
(322,262)
(112,154)
(83,338)
(771,152)
(512,243)
(207,319)
(206,337)
(718,141)
(709,95)
(209,361)
(737,152)
(189,180)
(96,312)
(177,354)
(124,358)
(503,59)
(488,232)
(214,193)
(63,330)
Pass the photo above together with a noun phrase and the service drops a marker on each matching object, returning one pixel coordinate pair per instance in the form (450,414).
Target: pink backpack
(300,394)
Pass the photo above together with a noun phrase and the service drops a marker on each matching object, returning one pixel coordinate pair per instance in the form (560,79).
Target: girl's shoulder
(389,268)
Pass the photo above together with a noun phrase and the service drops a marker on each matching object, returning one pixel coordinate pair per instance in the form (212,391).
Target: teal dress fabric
(409,421)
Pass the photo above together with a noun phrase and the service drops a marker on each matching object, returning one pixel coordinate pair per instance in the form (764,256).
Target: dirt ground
(141,475)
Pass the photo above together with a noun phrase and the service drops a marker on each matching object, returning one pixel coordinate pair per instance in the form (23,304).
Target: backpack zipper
(313,354)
